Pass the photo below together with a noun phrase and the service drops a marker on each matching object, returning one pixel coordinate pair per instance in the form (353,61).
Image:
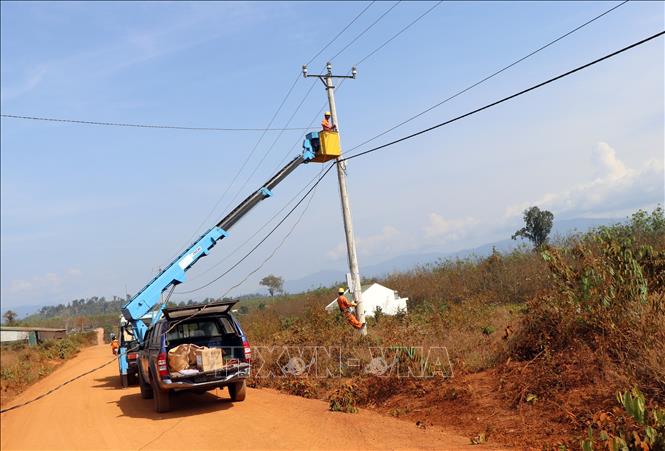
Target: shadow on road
(108,382)
(183,404)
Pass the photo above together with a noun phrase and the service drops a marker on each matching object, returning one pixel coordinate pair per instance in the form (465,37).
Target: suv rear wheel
(238,391)
(162,398)
(146,389)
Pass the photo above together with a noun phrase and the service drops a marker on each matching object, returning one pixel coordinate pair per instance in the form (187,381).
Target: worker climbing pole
(355,287)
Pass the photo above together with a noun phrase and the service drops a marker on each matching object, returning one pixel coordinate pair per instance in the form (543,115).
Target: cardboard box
(208,359)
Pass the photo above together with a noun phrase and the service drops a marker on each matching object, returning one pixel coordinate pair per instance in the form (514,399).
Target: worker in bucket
(326,124)
(345,308)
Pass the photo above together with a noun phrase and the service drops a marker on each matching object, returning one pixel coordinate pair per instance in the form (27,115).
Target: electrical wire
(272,254)
(242,167)
(258,142)
(235,265)
(339,34)
(427,130)
(270,148)
(483,80)
(398,33)
(234,251)
(124,124)
(505,99)
(363,59)
(365,31)
(322,176)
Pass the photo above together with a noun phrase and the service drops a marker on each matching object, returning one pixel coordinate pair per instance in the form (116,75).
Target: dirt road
(94,413)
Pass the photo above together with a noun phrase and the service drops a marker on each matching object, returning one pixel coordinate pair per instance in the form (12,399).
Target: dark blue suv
(211,325)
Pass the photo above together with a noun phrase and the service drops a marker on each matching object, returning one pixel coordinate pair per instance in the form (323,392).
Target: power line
(233,252)
(399,33)
(277,248)
(468,88)
(249,156)
(270,148)
(322,176)
(365,30)
(325,104)
(264,238)
(427,130)
(342,81)
(505,99)
(123,124)
(339,34)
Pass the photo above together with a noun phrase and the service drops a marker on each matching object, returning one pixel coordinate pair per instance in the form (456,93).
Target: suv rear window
(194,329)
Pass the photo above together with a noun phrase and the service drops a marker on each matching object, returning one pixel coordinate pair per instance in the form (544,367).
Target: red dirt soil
(95,413)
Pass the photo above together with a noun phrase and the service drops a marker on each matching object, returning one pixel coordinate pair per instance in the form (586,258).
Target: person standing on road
(114,345)
(345,307)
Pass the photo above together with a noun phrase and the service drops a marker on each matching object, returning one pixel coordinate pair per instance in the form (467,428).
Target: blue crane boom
(317,147)
(149,296)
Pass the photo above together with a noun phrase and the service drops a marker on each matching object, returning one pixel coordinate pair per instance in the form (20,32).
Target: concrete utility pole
(356,289)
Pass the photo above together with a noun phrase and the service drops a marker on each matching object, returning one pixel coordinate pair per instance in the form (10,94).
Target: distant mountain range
(405,262)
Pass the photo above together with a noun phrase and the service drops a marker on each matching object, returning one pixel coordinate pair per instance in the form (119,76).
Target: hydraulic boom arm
(149,296)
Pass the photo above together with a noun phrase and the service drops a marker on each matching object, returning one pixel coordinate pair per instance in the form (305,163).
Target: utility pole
(356,289)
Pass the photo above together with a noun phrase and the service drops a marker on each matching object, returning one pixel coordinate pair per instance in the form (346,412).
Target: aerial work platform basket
(324,145)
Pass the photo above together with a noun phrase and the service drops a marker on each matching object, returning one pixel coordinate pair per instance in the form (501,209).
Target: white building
(374,296)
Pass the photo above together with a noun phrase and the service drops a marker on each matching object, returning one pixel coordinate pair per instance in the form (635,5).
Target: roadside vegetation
(555,345)
(540,342)
(22,365)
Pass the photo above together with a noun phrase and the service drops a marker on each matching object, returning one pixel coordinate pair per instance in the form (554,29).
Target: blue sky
(90,210)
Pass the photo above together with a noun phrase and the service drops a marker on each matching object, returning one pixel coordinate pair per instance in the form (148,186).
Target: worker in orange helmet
(345,308)
(114,344)
(326,124)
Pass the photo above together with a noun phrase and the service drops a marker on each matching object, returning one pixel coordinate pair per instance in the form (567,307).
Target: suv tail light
(162,367)
(247,350)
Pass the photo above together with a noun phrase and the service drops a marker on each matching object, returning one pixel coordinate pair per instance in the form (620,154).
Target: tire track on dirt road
(95,413)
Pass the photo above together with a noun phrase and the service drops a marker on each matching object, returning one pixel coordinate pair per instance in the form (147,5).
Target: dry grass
(22,365)
(545,338)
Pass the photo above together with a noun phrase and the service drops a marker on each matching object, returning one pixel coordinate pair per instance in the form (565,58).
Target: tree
(273,283)
(538,224)
(10,317)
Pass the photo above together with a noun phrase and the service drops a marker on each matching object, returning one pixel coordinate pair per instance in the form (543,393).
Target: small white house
(374,296)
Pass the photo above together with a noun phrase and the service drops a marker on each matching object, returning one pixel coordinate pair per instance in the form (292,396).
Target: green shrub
(636,426)
(607,290)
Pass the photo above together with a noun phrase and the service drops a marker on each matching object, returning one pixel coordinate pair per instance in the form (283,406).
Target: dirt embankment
(94,412)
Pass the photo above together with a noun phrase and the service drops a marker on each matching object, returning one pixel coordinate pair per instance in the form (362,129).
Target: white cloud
(609,166)
(448,229)
(370,245)
(616,187)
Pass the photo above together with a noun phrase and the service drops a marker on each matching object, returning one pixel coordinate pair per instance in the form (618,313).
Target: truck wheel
(237,391)
(162,398)
(146,390)
(124,381)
